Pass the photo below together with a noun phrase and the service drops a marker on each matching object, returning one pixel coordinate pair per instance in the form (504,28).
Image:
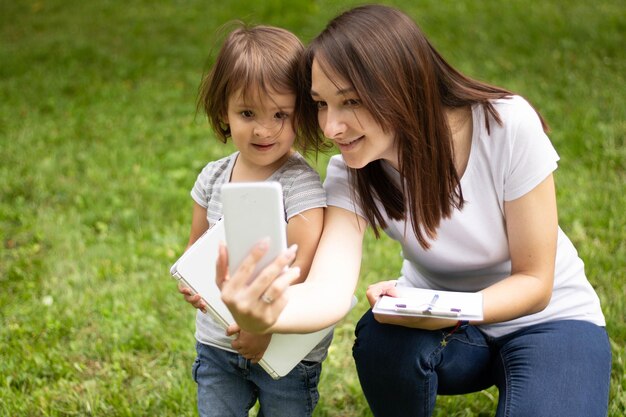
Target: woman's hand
(256,305)
(193,299)
(250,346)
(377,290)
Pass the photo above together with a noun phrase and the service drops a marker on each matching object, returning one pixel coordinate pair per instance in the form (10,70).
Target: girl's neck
(243,172)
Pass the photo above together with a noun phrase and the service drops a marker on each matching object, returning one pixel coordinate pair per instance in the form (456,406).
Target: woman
(460,173)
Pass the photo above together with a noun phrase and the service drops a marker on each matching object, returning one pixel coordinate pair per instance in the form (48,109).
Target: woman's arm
(532,228)
(532,225)
(322,300)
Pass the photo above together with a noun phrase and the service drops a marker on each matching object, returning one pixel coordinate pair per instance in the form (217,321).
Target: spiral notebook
(421,302)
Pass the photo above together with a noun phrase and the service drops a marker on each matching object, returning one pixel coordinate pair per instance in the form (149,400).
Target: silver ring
(267,299)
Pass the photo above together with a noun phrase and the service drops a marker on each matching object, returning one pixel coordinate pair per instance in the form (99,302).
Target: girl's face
(346,122)
(262,129)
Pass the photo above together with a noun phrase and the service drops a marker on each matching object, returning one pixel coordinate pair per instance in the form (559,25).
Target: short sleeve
(531,156)
(305,192)
(212,175)
(337,185)
(200,189)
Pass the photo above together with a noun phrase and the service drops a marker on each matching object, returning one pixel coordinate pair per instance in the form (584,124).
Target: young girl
(460,174)
(250,96)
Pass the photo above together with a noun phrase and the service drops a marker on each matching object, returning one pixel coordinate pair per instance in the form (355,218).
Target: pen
(432,302)
(402,308)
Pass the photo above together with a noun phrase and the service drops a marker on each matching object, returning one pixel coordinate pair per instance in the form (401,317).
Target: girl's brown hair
(252,59)
(406,85)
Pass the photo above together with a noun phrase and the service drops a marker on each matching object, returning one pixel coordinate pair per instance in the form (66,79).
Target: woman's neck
(461,127)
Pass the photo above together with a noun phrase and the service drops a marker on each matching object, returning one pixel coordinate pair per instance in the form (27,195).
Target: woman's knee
(387,345)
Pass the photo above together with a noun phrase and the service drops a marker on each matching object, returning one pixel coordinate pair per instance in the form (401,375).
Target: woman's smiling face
(344,120)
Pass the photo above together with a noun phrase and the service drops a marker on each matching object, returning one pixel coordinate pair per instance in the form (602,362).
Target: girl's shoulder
(294,168)
(219,166)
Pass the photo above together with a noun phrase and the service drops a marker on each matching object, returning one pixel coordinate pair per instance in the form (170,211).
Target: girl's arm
(199,225)
(304,230)
(322,300)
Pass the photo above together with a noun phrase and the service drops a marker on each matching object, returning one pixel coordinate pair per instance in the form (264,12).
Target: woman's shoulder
(514,108)
(516,116)
(337,167)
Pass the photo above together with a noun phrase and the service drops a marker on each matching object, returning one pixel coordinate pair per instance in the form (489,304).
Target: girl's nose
(262,131)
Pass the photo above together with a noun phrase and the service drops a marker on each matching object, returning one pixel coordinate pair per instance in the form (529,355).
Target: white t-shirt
(471,250)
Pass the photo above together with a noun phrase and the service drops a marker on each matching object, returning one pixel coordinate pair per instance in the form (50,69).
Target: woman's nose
(332,125)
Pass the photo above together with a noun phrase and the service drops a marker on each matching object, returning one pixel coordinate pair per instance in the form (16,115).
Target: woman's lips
(349,145)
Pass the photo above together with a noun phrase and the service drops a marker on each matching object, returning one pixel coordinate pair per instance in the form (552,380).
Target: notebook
(420,302)
(196,269)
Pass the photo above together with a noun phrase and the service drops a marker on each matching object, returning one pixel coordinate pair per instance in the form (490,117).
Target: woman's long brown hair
(406,85)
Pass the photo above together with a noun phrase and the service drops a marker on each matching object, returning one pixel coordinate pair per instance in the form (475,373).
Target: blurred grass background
(100,145)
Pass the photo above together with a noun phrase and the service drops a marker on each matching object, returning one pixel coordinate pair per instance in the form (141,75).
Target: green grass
(100,144)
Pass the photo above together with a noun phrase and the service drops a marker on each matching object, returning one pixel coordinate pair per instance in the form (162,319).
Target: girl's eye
(281,115)
(247,114)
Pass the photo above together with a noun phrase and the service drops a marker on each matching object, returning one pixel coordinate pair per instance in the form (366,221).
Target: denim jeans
(554,369)
(229,385)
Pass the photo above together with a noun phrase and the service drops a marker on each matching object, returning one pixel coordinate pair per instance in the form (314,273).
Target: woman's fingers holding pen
(377,290)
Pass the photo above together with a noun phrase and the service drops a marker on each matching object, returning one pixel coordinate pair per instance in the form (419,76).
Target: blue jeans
(554,369)
(229,385)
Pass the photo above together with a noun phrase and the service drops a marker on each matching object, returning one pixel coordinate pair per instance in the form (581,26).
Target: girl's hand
(377,290)
(256,305)
(251,346)
(193,299)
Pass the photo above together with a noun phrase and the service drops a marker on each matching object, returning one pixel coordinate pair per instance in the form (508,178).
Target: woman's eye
(247,114)
(320,104)
(352,102)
